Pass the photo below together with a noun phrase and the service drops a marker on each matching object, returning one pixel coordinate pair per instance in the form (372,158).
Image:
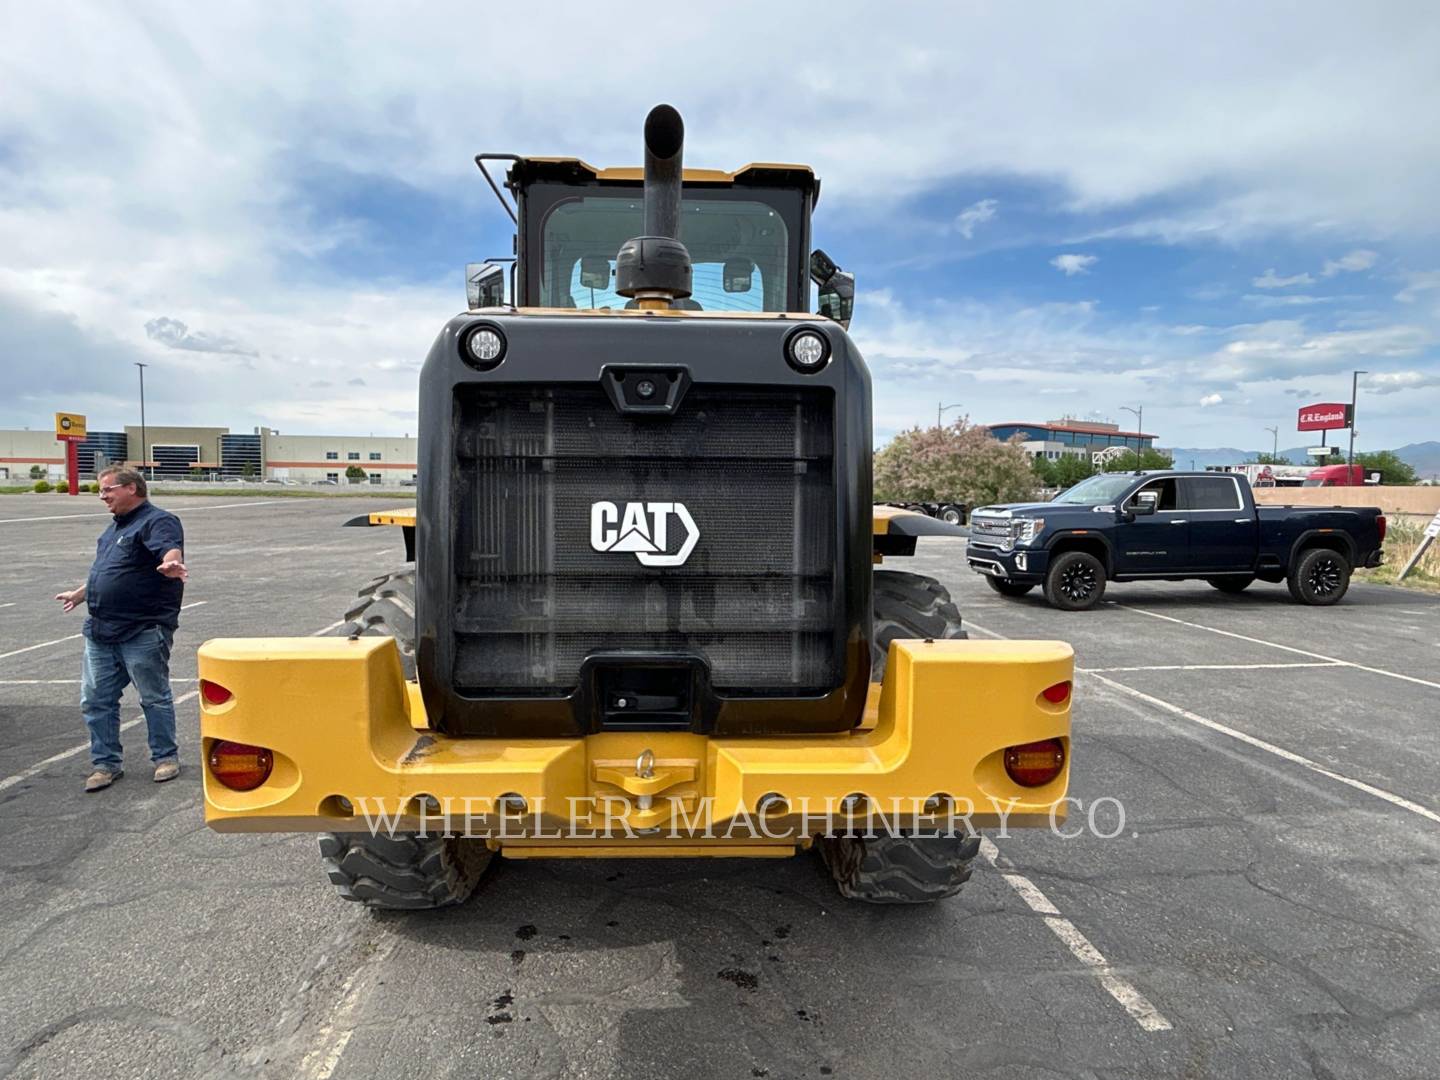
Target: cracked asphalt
(1282,915)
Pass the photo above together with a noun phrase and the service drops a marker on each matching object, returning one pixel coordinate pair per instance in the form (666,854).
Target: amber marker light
(1057,694)
(214,693)
(239,766)
(1035,764)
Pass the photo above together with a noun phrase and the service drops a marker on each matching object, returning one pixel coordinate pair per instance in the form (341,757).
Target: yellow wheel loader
(641,615)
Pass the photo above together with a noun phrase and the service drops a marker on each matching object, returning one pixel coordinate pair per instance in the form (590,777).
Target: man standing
(133,593)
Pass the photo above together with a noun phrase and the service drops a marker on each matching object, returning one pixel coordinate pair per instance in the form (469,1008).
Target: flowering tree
(959,463)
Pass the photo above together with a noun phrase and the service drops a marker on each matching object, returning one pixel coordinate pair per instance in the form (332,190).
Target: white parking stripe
(1286,648)
(1212,667)
(11,781)
(180,510)
(1135,1003)
(10,604)
(1279,751)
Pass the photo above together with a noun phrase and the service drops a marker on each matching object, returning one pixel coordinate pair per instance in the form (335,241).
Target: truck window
(1166,488)
(1210,493)
(739,250)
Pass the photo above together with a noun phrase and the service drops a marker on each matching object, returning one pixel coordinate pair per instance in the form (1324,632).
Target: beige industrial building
(179,453)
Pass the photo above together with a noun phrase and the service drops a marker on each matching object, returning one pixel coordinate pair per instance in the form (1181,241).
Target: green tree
(37,472)
(1070,469)
(247,470)
(355,473)
(1044,470)
(1392,469)
(1143,459)
(1272,459)
(197,474)
(959,463)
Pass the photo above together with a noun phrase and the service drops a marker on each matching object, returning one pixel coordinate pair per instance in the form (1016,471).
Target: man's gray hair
(126,476)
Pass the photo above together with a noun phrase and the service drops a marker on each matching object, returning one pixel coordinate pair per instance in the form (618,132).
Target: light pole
(1140,429)
(940,410)
(1354,386)
(1275,449)
(144,450)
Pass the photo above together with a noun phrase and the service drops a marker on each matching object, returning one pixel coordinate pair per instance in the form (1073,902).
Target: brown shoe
(100,779)
(167,770)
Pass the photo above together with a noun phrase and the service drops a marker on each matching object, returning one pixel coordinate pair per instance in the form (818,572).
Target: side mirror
(738,275)
(484,285)
(594,272)
(1144,502)
(837,298)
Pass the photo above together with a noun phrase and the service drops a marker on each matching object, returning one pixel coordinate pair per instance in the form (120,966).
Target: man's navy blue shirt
(125,593)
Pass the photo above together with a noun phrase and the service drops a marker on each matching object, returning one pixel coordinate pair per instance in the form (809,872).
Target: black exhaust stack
(656,267)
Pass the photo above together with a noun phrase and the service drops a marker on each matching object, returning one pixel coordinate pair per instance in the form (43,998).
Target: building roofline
(1077,430)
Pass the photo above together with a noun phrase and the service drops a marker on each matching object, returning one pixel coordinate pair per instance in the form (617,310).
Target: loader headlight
(483,347)
(807,351)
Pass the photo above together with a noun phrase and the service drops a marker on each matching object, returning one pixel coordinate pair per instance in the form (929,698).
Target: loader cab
(747,232)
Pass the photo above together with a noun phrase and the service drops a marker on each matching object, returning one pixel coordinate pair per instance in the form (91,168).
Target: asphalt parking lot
(1269,905)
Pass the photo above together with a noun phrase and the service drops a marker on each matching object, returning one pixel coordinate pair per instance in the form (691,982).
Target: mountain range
(1423,457)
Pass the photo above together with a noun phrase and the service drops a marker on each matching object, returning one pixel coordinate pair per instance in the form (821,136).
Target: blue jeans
(144,660)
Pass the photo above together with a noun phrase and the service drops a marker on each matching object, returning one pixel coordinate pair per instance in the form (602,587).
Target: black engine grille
(757,596)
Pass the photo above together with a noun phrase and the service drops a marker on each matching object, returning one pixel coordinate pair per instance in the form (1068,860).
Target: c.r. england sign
(1326,416)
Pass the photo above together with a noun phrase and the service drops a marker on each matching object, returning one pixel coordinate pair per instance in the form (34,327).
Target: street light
(1354,386)
(1139,428)
(1275,450)
(144,450)
(940,410)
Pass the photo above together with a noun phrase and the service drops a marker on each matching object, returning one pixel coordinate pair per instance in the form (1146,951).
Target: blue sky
(1050,210)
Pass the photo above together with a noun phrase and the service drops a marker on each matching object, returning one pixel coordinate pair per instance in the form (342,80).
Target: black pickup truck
(1170,526)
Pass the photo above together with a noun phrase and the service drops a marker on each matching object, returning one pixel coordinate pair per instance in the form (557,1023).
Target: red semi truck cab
(1341,476)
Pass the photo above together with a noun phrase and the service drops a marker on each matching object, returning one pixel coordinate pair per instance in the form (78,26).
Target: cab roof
(528,170)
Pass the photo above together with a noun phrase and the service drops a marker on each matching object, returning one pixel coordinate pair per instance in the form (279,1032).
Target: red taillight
(1036,763)
(214,693)
(240,767)
(1056,694)
(1383,525)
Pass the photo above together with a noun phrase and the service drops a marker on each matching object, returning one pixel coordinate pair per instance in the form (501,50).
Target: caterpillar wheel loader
(641,613)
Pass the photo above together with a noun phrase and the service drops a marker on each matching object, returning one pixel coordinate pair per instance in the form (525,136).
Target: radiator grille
(757,596)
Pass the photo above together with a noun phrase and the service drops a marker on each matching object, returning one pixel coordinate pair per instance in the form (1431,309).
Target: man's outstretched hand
(69,599)
(172,568)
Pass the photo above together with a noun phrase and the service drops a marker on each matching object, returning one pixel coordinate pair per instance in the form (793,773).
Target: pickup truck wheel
(1320,577)
(1236,584)
(1075,581)
(909,606)
(1008,588)
(405,870)
(899,869)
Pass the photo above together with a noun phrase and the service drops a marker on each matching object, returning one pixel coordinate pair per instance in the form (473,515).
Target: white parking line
(335,1034)
(180,510)
(1135,1003)
(1212,667)
(1286,648)
(72,637)
(11,781)
(9,604)
(1279,751)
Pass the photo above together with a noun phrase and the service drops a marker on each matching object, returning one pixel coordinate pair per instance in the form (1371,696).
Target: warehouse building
(1070,438)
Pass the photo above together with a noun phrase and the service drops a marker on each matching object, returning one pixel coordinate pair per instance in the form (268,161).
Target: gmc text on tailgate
(1170,526)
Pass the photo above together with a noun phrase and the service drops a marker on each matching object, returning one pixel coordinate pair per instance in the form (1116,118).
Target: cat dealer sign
(1327,416)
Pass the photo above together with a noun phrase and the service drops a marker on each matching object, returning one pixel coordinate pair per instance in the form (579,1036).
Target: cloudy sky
(1050,209)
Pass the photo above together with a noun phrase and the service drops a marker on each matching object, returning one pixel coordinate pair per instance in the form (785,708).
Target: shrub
(42,485)
(63,487)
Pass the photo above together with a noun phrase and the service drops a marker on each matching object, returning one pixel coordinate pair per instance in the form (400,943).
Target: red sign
(1327,416)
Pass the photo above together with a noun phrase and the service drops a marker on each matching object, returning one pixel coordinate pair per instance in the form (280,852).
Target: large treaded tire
(899,869)
(403,871)
(1319,578)
(909,606)
(1075,581)
(386,608)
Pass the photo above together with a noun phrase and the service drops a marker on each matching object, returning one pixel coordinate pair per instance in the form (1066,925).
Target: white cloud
(1071,264)
(1351,263)
(1269,280)
(1393,382)
(1209,400)
(975,214)
(1428,281)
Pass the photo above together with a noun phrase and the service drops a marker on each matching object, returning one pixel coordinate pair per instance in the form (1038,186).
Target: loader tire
(909,606)
(899,869)
(404,871)
(386,608)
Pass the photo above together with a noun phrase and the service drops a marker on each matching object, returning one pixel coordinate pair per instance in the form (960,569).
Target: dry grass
(1403,537)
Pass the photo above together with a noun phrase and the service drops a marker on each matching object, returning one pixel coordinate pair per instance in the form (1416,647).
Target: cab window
(1166,489)
(1210,493)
